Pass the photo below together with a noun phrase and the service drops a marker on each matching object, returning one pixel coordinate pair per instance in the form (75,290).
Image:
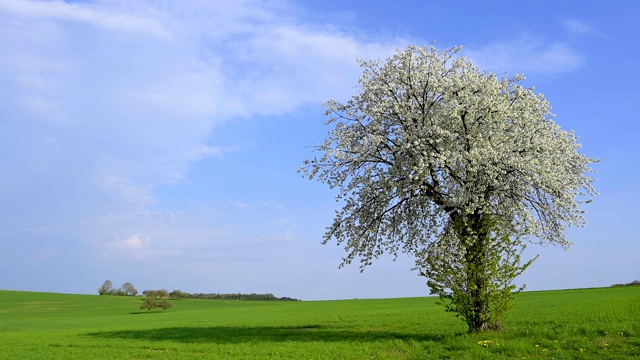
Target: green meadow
(601,323)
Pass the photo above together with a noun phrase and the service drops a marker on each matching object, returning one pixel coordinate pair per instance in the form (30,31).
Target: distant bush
(633,283)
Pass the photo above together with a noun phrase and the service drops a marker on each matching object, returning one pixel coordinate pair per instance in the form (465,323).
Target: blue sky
(158,142)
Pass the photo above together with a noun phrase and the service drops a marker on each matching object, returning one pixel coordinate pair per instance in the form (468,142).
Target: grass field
(569,324)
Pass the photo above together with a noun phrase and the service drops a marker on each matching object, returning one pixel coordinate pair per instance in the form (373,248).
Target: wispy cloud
(135,195)
(88,13)
(526,54)
(186,236)
(577,27)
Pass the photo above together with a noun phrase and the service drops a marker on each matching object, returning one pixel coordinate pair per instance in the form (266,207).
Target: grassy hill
(568,324)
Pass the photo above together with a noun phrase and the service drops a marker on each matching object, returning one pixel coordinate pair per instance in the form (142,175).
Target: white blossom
(428,138)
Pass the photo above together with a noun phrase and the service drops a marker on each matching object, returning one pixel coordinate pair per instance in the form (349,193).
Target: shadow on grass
(238,334)
(147,312)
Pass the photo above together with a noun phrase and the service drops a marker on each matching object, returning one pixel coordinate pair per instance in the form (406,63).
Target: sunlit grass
(570,324)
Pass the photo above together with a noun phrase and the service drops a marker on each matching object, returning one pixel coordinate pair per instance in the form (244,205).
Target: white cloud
(131,243)
(130,247)
(293,65)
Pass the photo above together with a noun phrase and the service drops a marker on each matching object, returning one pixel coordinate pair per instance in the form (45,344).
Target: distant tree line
(633,283)
(127,289)
(177,294)
(162,293)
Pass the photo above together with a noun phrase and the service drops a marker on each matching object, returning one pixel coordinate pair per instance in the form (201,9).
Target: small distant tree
(106,288)
(149,303)
(155,299)
(164,304)
(129,289)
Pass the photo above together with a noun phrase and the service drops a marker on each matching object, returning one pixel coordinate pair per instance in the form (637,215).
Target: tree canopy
(106,288)
(453,165)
